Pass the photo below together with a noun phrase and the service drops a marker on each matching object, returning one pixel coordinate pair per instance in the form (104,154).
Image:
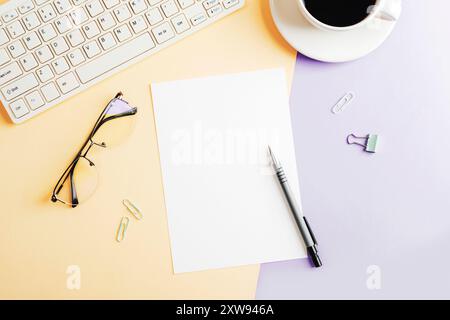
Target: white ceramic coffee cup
(383,9)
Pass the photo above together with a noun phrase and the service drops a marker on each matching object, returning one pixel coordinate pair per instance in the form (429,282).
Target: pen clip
(310,231)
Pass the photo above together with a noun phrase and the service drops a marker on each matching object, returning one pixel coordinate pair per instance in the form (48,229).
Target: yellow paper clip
(133,209)
(122,229)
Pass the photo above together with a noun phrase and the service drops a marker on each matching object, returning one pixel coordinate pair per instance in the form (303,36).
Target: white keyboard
(51,50)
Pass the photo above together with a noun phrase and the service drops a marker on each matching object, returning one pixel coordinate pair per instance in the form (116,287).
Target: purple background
(392,208)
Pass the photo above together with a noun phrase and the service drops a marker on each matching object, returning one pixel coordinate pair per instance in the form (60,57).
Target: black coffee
(339,13)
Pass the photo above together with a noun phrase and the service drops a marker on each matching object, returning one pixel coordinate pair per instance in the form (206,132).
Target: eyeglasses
(80,179)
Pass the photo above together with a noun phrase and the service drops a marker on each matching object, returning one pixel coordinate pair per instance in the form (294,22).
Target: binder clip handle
(370,142)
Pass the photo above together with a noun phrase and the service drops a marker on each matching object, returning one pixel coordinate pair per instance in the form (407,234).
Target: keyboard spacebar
(115,57)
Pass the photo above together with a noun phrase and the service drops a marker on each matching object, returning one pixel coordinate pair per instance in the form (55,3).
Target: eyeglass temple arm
(118,95)
(120,115)
(62,179)
(101,118)
(73,190)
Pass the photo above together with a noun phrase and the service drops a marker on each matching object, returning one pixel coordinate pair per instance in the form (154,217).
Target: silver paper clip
(133,209)
(343,103)
(122,229)
(370,144)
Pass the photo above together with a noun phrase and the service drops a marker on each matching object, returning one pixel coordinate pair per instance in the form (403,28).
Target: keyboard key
(60,65)
(91,49)
(31,21)
(163,32)
(230,3)
(45,73)
(28,62)
(32,40)
(210,3)
(214,11)
(39,2)
(115,57)
(59,46)
(44,54)
(94,8)
(138,24)
(180,23)
(185,3)
(35,100)
(9,16)
(9,73)
(123,33)
(78,16)
(154,16)
(19,86)
(16,49)
(3,37)
(76,57)
(67,83)
(199,18)
(47,32)
(50,92)
(15,29)
(91,30)
(138,6)
(62,6)
(110,3)
(26,6)
(19,108)
(47,13)
(4,57)
(169,8)
(107,41)
(63,24)
(107,21)
(75,37)
(78,2)
(122,13)
(154,2)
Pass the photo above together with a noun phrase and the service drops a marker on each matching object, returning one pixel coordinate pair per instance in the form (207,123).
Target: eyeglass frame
(82,153)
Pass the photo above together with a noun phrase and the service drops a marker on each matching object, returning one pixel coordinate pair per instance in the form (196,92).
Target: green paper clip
(120,235)
(370,144)
(134,210)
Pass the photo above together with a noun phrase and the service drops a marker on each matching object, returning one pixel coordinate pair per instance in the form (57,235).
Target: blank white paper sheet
(224,205)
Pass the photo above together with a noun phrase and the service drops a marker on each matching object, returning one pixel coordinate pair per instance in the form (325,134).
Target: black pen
(302,223)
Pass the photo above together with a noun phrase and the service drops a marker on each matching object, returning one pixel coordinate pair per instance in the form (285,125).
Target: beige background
(39,239)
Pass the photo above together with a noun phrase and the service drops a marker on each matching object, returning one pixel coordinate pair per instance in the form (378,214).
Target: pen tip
(270,152)
(275,161)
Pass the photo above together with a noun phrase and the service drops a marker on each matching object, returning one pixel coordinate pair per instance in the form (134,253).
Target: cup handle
(390,10)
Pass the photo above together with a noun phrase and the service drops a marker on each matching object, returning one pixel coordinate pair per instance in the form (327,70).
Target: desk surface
(39,239)
(380,219)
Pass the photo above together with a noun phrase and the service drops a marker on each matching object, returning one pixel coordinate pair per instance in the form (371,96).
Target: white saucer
(327,46)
